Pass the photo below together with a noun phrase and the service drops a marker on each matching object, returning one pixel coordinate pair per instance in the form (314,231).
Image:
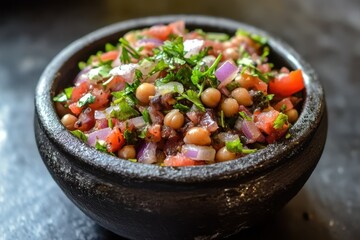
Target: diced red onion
(225,91)
(250,131)
(98,135)
(227,137)
(209,123)
(99,114)
(126,71)
(226,73)
(192,47)
(149,41)
(147,153)
(199,153)
(82,76)
(138,122)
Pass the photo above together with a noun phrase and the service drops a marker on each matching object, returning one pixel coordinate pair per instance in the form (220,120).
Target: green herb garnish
(237,147)
(80,135)
(86,99)
(64,95)
(280,120)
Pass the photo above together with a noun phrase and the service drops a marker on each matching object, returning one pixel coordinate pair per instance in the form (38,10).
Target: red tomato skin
(288,84)
(287,102)
(161,32)
(75,109)
(115,140)
(86,120)
(180,160)
(109,56)
(101,98)
(79,91)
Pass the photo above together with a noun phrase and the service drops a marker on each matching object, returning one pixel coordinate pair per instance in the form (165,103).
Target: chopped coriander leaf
(270,96)
(236,146)
(288,135)
(146,116)
(142,133)
(169,55)
(82,65)
(109,47)
(101,146)
(217,36)
(123,111)
(80,135)
(181,107)
(138,74)
(99,73)
(193,97)
(132,159)
(198,75)
(245,116)
(249,67)
(110,122)
(280,120)
(283,108)
(64,95)
(86,99)
(127,51)
(130,136)
(266,52)
(222,122)
(232,85)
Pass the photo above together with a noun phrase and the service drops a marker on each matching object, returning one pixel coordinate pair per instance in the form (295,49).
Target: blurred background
(325,32)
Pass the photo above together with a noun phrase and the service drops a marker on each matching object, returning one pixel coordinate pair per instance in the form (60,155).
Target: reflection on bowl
(141,201)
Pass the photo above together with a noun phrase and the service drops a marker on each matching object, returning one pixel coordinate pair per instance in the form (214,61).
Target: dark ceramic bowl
(141,201)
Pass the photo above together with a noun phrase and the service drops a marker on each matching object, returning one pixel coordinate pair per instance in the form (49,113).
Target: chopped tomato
(287,84)
(79,91)
(260,85)
(75,109)
(101,98)
(109,56)
(116,84)
(86,120)
(159,31)
(265,122)
(180,160)
(177,28)
(115,140)
(284,102)
(154,133)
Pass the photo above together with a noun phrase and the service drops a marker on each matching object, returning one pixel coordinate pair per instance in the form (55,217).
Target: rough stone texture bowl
(140,201)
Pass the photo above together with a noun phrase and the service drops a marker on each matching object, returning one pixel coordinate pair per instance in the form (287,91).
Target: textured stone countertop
(325,32)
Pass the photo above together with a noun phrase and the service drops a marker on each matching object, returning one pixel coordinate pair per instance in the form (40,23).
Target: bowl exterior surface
(149,202)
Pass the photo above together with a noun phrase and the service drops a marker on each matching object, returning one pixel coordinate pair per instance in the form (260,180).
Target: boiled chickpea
(174,119)
(211,97)
(224,155)
(197,136)
(69,120)
(245,81)
(230,107)
(293,115)
(242,96)
(144,92)
(127,152)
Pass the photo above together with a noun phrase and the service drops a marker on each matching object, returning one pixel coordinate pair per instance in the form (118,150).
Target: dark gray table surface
(325,32)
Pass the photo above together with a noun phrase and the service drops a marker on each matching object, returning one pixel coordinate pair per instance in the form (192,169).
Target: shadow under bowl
(141,201)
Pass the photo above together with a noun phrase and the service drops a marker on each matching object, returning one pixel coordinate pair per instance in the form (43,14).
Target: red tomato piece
(265,121)
(161,32)
(109,56)
(101,98)
(115,140)
(75,109)
(284,102)
(180,160)
(287,84)
(79,91)
(86,120)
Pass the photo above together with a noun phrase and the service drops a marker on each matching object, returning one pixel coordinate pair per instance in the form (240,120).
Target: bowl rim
(244,167)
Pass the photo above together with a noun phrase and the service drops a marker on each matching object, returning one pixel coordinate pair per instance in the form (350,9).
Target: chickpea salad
(173,97)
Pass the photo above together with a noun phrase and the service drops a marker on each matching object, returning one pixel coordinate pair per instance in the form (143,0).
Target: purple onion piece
(82,76)
(154,41)
(98,135)
(250,130)
(226,71)
(147,153)
(198,153)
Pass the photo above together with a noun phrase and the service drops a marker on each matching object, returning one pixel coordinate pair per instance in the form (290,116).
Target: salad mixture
(168,96)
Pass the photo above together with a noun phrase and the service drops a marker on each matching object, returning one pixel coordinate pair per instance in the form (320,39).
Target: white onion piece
(192,47)
(226,73)
(145,66)
(198,153)
(99,114)
(126,71)
(147,41)
(138,122)
(227,137)
(208,60)
(170,87)
(147,153)
(98,135)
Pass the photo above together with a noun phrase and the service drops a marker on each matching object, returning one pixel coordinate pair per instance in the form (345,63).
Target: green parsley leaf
(280,120)
(142,133)
(217,36)
(181,107)
(232,85)
(288,135)
(101,146)
(130,137)
(82,65)
(64,95)
(236,146)
(283,108)
(123,111)
(86,99)
(245,116)
(109,47)
(80,135)
(99,73)
(146,116)
(127,51)
(249,67)
(270,96)
(193,97)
